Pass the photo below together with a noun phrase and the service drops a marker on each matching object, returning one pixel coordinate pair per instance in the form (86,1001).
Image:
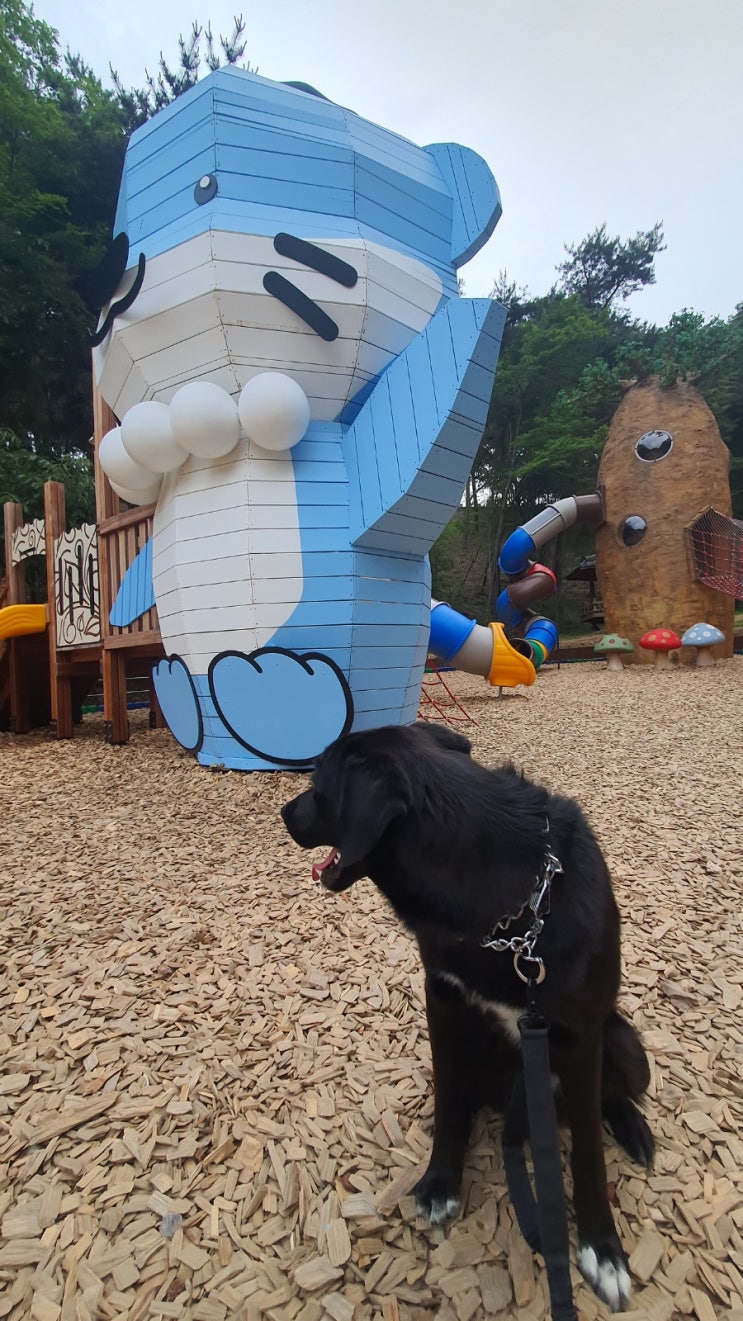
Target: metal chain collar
(522,947)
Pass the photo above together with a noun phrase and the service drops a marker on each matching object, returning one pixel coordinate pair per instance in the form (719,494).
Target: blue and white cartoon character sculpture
(302,390)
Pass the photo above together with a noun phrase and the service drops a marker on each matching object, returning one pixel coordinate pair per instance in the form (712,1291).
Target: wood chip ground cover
(215,1095)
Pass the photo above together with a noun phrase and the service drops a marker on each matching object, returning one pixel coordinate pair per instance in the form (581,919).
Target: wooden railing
(4,599)
(120,539)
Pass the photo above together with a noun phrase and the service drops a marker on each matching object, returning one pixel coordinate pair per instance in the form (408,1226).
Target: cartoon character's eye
(633,529)
(205,189)
(654,445)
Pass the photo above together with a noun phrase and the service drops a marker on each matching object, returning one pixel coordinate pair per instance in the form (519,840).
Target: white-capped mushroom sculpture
(703,637)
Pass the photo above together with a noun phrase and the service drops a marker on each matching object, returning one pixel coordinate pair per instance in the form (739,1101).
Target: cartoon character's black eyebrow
(122,305)
(293,298)
(320,260)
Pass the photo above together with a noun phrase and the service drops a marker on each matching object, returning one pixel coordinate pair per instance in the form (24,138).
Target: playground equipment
(669,553)
(301,393)
(716,545)
(660,642)
(52,653)
(703,637)
(613,647)
(19,620)
(439,703)
(485,650)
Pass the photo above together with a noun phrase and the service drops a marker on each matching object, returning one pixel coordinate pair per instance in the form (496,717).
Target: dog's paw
(435,1199)
(631,1130)
(604,1265)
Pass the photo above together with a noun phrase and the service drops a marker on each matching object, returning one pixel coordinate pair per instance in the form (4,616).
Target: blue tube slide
(486,650)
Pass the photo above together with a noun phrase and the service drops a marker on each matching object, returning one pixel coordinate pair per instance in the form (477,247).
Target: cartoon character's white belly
(227,564)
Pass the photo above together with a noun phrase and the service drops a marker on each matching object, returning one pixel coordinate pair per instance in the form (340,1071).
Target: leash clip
(522,947)
(522,956)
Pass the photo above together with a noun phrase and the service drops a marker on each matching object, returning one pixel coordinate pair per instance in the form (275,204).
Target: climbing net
(717,550)
(437,701)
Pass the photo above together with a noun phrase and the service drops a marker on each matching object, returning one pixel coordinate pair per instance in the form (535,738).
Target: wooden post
(18,692)
(157,719)
(60,686)
(15,573)
(106,500)
(113,660)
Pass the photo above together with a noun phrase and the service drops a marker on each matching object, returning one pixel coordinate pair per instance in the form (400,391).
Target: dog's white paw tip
(610,1279)
(441,1209)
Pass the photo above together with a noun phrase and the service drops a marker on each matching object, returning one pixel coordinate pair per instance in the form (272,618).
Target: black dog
(456,849)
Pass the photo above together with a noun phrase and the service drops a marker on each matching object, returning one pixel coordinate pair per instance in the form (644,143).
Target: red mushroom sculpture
(661,641)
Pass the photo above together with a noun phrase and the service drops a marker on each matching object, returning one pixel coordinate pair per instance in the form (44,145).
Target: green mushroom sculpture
(612,645)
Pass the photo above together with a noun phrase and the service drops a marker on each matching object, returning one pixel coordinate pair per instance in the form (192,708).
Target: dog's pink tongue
(320,867)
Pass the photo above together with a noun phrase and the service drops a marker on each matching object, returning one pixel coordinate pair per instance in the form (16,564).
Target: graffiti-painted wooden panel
(76,587)
(27,541)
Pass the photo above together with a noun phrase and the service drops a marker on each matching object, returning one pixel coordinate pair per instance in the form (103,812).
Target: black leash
(531,1114)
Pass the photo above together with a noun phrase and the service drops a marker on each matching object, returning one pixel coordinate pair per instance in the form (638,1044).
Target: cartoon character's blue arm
(436,393)
(136,593)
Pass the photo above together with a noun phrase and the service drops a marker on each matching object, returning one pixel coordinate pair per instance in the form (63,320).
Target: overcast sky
(587,111)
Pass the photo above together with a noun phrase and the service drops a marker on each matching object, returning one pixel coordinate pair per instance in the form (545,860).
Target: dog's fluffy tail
(626,1074)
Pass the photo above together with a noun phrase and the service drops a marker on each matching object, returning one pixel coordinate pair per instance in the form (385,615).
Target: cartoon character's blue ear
(477,207)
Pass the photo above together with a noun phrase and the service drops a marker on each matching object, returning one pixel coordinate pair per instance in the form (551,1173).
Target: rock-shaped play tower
(664,463)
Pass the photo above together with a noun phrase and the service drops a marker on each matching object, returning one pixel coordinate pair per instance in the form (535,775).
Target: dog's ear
(372,797)
(445,737)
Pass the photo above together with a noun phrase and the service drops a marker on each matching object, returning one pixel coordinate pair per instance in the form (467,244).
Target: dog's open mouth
(334,874)
(329,870)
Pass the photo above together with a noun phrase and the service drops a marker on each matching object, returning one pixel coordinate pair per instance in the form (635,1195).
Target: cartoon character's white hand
(202,419)
(274,411)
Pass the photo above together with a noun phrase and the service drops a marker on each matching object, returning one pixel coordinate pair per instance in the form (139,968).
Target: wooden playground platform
(44,677)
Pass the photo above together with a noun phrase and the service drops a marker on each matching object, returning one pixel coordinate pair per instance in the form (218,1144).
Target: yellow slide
(508,666)
(17,619)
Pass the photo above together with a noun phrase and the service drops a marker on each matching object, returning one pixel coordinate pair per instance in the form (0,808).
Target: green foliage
(722,385)
(459,564)
(542,391)
(600,270)
(23,473)
(710,355)
(62,143)
(138,104)
(61,147)
(562,365)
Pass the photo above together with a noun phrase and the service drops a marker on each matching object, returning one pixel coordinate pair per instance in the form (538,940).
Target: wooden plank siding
(125,535)
(121,535)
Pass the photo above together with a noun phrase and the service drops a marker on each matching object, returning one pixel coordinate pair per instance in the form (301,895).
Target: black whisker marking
(320,260)
(122,305)
(293,298)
